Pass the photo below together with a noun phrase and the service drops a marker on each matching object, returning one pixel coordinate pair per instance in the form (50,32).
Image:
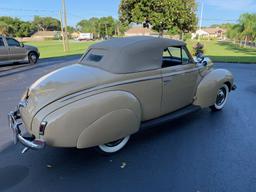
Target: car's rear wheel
(32,57)
(221,99)
(114,146)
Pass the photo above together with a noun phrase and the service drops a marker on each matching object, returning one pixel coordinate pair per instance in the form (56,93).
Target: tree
(245,29)
(25,29)
(70,29)
(248,24)
(107,27)
(234,32)
(15,27)
(46,23)
(160,14)
(89,26)
(6,29)
(100,27)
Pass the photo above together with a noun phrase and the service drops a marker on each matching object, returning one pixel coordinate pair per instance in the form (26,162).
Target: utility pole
(201,19)
(65,25)
(62,32)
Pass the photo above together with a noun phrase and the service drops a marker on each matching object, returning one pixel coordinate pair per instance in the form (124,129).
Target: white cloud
(233,5)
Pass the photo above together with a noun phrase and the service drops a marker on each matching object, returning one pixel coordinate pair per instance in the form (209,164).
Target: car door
(179,79)
(4,51)
(17,52)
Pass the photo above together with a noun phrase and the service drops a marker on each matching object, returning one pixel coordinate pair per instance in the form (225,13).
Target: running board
(170,116)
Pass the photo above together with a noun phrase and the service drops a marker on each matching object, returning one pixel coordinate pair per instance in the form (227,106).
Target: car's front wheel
(114,146)
(221,99)
(32,58)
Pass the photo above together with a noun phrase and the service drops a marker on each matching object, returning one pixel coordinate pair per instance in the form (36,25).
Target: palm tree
(6,29)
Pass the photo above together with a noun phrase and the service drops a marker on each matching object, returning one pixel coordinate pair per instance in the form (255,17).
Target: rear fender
(94,120)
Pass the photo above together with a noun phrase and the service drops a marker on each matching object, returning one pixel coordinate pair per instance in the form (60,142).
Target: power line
(228,20)
(28,10)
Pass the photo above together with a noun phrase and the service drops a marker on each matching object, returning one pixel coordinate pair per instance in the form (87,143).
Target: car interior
(173,56)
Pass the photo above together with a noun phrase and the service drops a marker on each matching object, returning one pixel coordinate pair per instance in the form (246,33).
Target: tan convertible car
(117,87)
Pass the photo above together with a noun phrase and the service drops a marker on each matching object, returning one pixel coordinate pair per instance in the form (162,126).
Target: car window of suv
(12,42)
(1,42)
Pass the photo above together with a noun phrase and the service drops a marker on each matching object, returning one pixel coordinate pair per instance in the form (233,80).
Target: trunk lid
(63,82)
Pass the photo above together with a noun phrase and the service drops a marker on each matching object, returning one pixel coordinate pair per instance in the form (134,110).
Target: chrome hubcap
(33,57)
(221,96)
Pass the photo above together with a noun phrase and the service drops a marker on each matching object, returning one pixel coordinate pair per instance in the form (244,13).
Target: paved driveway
(203,151)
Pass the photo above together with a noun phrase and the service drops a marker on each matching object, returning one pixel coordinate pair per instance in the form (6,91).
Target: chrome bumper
(29,142)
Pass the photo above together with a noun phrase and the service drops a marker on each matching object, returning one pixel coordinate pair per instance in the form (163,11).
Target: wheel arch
(207,89)
(32,51)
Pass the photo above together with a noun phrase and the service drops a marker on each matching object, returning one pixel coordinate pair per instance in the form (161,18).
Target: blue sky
(215,11)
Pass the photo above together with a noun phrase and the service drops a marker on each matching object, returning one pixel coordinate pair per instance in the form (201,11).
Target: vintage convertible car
(117,87)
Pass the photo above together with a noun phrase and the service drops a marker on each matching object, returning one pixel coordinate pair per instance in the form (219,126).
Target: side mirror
(205,63)
(21,44)
(200,57)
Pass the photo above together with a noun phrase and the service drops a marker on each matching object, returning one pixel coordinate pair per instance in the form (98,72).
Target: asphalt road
(201,152)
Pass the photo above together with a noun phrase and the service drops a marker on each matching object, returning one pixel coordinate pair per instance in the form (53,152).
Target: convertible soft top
(128,55)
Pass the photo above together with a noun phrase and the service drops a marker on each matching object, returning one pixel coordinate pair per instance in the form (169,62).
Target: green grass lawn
(217,51)
(227,52)
(54,48)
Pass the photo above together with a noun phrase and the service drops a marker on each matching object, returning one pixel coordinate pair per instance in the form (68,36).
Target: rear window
(94,58)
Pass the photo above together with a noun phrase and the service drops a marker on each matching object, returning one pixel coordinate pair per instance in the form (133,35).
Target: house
(42,35)
(140,31)
(210,33)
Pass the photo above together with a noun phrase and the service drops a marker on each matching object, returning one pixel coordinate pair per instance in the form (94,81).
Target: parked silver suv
(13,51)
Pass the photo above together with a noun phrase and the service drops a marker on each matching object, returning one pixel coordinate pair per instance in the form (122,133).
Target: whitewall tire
(221,99)
(114,146)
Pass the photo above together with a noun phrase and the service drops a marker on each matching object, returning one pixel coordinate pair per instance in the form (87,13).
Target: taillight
(42,127)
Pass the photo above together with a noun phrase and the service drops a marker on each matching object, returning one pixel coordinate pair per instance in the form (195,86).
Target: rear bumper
(30,142)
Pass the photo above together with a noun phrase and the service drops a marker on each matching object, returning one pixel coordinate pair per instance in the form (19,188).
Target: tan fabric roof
(131,54)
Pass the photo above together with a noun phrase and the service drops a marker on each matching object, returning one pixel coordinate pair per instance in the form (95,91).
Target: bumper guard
(28,142)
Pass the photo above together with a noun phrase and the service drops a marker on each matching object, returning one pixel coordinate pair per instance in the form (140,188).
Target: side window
(185,57)
(12,42)
(175,52)
(172,56)
(1,42)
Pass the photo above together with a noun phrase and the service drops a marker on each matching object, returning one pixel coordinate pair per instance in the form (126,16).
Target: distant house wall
(140,31)
(45,34)
(210,33)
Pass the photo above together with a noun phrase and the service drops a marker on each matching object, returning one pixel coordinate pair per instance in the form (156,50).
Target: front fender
(94,120)
(210,84)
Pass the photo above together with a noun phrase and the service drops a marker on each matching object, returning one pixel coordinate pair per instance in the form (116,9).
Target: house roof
(213,30)
(130,54)
(140,30)
(44,34)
